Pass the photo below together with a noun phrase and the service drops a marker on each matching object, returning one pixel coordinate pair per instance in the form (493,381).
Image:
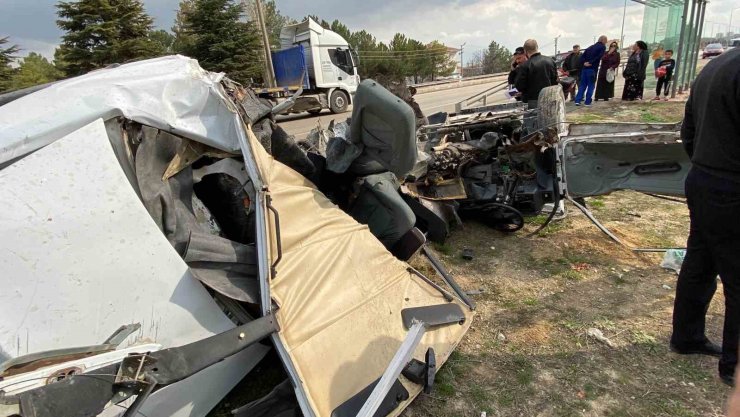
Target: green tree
(34,70)
(341,30)
(220,39)
(442,63)
(7,55)
(184,38)
(102,32)
(496,59)
(165,41)
(274,22)
(322,22)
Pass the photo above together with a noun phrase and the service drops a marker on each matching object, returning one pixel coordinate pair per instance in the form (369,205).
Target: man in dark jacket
(590,61)
(535,74)
(711,136)
(572,64)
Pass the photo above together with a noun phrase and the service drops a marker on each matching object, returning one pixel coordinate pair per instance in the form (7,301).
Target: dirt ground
(528,352)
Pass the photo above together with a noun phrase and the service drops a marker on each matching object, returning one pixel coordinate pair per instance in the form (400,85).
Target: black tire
(551,108)
(314,111)
(338,102)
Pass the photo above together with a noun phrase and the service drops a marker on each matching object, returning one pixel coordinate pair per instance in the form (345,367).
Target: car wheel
(551,108)
(338,102)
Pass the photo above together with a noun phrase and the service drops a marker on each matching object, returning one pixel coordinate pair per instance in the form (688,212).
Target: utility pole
(556,44)
(697,44)
(689,46)
(679,50)
(269,70)
(729,26)
(462,65)
(621,34)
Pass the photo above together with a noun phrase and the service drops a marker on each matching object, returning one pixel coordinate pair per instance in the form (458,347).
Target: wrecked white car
(160,234)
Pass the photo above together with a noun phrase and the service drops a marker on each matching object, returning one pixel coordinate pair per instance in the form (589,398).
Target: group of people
(711,136)
(594,71)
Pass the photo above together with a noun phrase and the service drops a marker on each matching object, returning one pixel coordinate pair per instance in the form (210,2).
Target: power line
(403,56)
(389,51)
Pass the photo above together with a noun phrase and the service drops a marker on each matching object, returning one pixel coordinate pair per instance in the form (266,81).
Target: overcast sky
(31,23)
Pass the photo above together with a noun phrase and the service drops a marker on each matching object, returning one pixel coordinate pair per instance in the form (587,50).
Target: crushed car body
(498,164)
(162,234)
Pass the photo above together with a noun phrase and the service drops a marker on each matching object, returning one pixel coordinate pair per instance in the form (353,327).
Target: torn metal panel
(171,93)
(108,262)
(585,129)
(319,304)
(647,158)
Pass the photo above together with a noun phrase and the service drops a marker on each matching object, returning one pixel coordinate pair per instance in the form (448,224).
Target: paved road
(300,124)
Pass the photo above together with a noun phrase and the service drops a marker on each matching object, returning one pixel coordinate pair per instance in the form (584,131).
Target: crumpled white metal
(171,93)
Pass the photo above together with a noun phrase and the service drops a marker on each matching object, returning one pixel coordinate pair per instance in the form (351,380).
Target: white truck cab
(321,62)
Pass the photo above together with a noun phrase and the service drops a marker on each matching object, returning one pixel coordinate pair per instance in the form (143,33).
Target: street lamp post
(621,35)
(729,26)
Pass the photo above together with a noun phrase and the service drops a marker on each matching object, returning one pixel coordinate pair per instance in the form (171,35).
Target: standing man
(590,67)
(572,64)
(711,136)
(535,74)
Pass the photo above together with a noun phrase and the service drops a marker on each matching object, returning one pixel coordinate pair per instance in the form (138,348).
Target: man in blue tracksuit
(590,67)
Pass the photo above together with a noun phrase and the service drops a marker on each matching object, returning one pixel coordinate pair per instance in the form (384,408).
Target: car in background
(734,43)
(713,49)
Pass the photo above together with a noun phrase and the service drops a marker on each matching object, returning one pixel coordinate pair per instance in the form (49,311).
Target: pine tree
(7,55)
(102,32)
(496,58)
(34,70)
(165,40)
(184,38)
(221,41)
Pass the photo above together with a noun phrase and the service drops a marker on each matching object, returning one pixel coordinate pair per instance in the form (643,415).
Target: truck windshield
(342,58)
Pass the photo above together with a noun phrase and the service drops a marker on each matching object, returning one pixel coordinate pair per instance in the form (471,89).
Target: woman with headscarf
(609,63)
(644,60)
(633,81)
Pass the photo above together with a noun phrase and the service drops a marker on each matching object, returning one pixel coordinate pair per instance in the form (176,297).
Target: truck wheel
(338,102)
(551,108)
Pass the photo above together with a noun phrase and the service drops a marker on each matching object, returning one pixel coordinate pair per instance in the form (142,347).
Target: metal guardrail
(459,80)
(481,97)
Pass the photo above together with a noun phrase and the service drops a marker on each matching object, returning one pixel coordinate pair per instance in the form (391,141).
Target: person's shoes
(665,98)
(578,104)
(706,348)
(657,98)
(727,379)
(588,104)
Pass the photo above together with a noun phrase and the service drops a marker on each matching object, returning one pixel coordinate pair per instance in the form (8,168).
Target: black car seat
(383,126)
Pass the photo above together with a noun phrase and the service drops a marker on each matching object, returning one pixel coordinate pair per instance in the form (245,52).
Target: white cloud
(42,47)
(508,22)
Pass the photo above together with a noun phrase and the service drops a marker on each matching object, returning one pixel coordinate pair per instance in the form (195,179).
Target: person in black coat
(572,65)
(535,74)
(710,133)
(644,60)
(634,73)
(516,60)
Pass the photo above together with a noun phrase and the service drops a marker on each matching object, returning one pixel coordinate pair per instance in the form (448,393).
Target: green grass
(596,203)
(524,370)
(444,248)
(648,117)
